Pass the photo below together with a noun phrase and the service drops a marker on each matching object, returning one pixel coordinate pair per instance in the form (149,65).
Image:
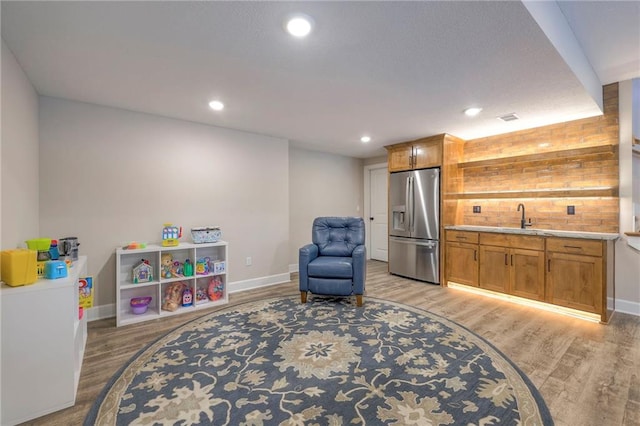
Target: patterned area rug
(278,362)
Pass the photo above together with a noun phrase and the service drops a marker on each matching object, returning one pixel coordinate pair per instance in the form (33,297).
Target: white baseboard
(109,311)
(259,282)
(293,268)
(101,312)
(628,307)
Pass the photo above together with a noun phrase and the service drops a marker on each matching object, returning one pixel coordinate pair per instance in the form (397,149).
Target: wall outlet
(477,209)
(248,261)
(571,209)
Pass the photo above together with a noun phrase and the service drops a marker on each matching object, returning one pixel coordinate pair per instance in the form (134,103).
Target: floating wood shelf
(602,150)
(536,193)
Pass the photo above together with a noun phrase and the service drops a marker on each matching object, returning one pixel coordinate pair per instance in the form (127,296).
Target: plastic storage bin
(19,267)
(209,234)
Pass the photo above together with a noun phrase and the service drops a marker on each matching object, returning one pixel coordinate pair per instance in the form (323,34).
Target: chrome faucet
(523,222)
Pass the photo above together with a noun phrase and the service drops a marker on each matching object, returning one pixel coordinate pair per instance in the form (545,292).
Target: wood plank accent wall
(583,177)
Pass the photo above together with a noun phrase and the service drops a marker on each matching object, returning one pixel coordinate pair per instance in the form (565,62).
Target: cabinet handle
(549,265)
(573,247)
(505,259)
(475,255)
(460,237)
(511,260)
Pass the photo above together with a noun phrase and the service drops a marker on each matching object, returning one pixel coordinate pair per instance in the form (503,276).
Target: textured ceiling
(394,70)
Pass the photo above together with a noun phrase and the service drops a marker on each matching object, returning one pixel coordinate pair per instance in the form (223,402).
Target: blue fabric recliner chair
(335,264)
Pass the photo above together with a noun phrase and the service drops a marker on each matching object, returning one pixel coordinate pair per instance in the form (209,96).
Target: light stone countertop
(534,231)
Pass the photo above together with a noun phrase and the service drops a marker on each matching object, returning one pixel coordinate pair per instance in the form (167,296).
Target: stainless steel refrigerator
(414,224)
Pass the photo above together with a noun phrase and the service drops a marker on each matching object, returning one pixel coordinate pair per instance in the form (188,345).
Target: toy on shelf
(188,268)
(202,266)
(177,270)
(139,305)
(134,245)
(201,295)
(173,296)
(85,293)
(170,235)
(187,297)
(169,268)
(142,272)
(216,288)
(218,266)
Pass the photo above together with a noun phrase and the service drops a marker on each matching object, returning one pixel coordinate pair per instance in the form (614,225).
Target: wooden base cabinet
(462,257)
(527,274)
(575,274)
(512,264)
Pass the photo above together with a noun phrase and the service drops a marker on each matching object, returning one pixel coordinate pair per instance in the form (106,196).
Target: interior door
(379,216)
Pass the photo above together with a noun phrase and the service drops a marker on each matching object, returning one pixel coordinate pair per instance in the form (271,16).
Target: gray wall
(110,176)
(19,167)
(321,184)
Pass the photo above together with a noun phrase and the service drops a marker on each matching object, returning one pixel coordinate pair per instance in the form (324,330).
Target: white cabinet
(214,255)
(43,342)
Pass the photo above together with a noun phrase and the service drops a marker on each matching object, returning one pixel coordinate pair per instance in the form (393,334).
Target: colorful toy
(188,268)
(173,296)
(187,297)
(201,295)
(134,245)
(142,272)
(177,269)
(202,266)
(85,292)
(139,305)
(216,288)
(218,266)
(170,235)
(170,268)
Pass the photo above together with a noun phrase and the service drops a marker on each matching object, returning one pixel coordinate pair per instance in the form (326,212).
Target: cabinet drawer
(575,246)
(530,242)
(463,236)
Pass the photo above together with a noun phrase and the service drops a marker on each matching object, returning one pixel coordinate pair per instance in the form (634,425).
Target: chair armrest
(359,256)
(305,255)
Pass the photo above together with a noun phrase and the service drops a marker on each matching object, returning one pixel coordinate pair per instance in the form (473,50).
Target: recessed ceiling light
(299,26)
(216,105)
(365,139)
(472,112)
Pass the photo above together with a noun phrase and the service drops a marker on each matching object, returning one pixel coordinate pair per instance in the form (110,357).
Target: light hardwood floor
(588,374)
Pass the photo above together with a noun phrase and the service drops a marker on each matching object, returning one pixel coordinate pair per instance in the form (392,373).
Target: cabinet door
(494,268)
(427,155)
(527,274)
(400,158)
(462,263)
(575,281)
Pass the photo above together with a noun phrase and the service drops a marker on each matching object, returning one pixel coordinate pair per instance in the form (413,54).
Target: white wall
(19,151)
(627,262)
(109,176)
(320,184)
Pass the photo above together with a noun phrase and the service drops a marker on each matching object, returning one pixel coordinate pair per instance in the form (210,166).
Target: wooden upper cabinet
(418,154)
(427,154)
(400,158)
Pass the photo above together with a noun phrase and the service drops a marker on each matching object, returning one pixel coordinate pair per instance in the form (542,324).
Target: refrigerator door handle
(414,243)
(407,202)
(411,204)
